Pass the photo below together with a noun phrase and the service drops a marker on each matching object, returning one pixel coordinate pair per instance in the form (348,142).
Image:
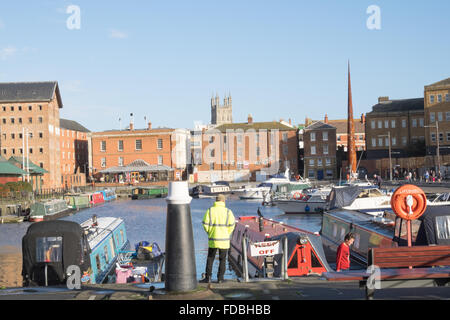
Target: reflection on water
(146,220)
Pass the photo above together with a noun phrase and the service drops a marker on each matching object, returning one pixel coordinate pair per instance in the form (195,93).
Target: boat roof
(361,219)
(104,226)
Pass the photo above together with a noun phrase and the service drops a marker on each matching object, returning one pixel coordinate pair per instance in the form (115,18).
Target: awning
(137,166)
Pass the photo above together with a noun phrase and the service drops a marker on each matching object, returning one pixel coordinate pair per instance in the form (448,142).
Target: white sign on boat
(266,248)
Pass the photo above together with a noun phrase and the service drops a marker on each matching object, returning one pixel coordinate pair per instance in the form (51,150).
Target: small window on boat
(49,249)
(294,263)
(97,262)
(357,240)
(315,263)
(443,227)
(112,245)
(342,234)
(105,250)
(121,236)
(334,230)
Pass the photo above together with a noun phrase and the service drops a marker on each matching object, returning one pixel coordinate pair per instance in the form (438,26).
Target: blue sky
(279,59)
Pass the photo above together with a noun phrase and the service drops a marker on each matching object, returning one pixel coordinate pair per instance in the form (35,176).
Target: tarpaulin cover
(74,250)
(343,196)
(435,226)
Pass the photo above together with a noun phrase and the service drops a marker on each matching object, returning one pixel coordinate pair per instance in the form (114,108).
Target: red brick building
(247,151)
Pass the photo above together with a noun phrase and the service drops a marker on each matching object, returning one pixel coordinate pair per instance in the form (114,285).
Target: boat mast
(350,130)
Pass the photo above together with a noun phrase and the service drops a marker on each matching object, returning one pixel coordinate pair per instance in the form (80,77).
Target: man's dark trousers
(222,262)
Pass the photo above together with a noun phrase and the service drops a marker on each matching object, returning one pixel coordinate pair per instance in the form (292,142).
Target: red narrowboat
(305,250)
(96,198)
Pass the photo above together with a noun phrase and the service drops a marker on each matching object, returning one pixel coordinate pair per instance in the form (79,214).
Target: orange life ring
(409,202)
(298,195)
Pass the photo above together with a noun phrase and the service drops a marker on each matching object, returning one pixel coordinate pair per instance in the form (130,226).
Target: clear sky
(279,59)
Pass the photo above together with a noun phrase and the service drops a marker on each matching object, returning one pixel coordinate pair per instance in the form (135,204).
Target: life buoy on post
(409,202)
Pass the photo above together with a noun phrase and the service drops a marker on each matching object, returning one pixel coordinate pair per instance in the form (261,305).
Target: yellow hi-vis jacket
(219,223)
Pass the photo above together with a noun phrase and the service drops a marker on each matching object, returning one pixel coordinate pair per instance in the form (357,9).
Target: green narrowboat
(140,193)
(77,201)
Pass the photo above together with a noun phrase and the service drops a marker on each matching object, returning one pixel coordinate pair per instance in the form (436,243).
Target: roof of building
(341,125)
(34,169)
(72,125)
(137,166)
(444,82)
(29,92)
(273,125)
(7,168)
(398,105)
(319,125)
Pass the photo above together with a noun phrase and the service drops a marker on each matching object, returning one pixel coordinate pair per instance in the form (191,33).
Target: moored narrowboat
(140,193)
(305,252)
(50,247)
(108,195)
(96,198)
(48,210)
(77,201)
(388,231)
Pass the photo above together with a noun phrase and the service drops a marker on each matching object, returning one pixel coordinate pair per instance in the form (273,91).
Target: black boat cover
(292,237)
(57,244)
(435,226)
(343,196)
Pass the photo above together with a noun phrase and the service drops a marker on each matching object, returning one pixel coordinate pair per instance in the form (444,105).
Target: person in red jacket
(343,253)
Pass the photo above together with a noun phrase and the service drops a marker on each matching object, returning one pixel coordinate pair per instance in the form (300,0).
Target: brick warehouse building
(74,153)
(247,151)
(320,151)
(33,106)
(163,147)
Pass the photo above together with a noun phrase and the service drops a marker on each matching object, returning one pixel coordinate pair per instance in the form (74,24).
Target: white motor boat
(254,193)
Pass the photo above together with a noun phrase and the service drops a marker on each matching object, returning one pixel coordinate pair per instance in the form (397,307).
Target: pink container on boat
(122,274)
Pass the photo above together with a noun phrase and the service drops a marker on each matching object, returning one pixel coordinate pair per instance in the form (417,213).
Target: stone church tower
(221,114)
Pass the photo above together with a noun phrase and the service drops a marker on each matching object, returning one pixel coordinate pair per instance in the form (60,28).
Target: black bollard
(180,270)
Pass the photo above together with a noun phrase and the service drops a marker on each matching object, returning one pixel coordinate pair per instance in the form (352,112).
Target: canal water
(146,220)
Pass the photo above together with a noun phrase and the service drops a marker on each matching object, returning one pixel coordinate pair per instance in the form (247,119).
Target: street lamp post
(436,125)
(390,157)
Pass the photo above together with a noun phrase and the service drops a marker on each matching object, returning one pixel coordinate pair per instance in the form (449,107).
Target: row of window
(357,137)
(439,116)
(313,136)
(20,135)
(20,151)
(438,98)
(19,108)
(319,162)
(12,120)
(137,145)
(441,136)
(384,141)
(121,163)
(79,145)
(392,123)
(324,149)
(312,174)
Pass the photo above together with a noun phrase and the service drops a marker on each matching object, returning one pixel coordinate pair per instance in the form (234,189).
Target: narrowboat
(77,201)
(96,198)
(108,195)
(48,210)
(50,247)
(140,193)
(433,227)
(210,191)
(305,251)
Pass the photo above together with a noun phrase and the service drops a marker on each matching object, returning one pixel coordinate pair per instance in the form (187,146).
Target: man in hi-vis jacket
(219,224)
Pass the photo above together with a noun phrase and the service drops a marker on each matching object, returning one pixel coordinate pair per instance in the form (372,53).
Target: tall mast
(350,129)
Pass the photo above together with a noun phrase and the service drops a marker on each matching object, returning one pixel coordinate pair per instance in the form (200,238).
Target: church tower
(221,114)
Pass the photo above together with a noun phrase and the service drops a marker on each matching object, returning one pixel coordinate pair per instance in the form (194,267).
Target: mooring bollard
(180,269)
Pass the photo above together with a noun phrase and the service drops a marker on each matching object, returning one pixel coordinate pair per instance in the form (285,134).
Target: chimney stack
(131,122)
(250,119)
(383,99)
(326,118)
(290,122)
(363,118)
(149,125)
